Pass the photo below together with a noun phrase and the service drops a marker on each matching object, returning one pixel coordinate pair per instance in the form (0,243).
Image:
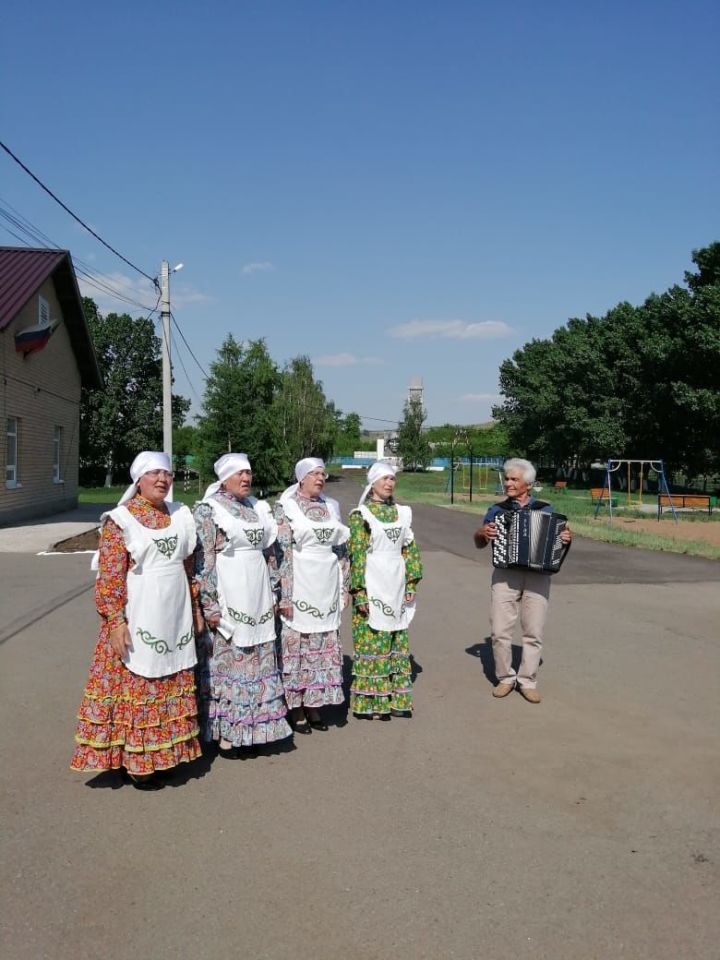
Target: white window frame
(57,454)
(43,311)
(12,432)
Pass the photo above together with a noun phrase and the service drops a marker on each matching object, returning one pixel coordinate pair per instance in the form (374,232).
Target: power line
(105,288)
(200,366)
(8,230)
(94,278)
(184,369)
(75,217)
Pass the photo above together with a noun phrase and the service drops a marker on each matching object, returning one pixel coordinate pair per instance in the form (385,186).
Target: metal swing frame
(613,465)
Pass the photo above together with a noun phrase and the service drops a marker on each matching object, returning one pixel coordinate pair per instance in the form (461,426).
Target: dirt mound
(706,530)
(81,541)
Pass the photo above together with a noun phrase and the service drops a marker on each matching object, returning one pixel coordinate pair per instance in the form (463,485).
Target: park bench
(685,501)
(601,495)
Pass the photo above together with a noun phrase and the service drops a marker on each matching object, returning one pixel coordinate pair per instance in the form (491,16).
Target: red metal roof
(23,270)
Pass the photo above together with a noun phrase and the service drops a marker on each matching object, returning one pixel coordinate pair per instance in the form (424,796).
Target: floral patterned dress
(241,693)
(382,672)
(311,662)
(126,720)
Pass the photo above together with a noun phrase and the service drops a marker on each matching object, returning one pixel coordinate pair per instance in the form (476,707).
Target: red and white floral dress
(127,720)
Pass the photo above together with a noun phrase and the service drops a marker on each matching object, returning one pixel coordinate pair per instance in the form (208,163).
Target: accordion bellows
(529,539)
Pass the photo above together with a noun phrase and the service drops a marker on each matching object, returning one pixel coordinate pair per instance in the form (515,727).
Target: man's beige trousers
(526,593)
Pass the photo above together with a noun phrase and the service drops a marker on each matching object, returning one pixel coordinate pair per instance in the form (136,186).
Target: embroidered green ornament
(166,545)
(158,645)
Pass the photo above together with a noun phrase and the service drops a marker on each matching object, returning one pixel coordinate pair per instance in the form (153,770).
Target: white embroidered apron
(244,593)
(159,611)
(317,577)
(385,579)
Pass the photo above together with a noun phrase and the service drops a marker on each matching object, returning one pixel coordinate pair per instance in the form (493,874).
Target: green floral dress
(382,672)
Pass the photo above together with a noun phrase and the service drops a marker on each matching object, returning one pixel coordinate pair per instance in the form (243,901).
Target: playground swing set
(612,467)
(476,476)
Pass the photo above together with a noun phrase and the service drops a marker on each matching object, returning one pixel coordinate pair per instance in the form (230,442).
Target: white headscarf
(143,462)
(302,469)
(226,466)
(381,468)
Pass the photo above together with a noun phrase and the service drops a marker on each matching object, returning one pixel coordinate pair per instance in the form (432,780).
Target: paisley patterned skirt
(241,694)
(134,722)
(311,668)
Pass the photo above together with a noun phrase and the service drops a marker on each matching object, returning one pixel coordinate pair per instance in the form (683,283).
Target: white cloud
(450,329)
(481,397)
(344,360)
(262,266)
(111,291)
(182,295)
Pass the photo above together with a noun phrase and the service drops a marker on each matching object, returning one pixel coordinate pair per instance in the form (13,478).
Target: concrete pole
(166,361)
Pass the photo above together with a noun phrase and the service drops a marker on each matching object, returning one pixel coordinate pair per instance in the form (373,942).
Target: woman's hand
(286,609)
(363,609)
(213,620)
(566,535)
(119,638)
(409,597)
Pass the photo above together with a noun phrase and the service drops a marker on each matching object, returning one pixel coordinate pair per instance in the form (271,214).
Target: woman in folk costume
(314,569)
(241,694)
(385,569)
(139,710)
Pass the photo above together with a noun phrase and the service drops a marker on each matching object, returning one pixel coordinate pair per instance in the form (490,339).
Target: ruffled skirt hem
(90,758)
(312,668)
(125,720)
(241,695)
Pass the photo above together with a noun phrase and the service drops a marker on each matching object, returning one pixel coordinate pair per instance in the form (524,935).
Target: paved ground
(37,535)
(586,827)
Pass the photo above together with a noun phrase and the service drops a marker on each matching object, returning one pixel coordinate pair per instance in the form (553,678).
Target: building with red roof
(46,358)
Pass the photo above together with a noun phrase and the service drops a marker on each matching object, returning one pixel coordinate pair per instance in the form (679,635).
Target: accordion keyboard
(529,539)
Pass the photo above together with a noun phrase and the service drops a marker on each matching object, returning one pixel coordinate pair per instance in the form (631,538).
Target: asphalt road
(584,827)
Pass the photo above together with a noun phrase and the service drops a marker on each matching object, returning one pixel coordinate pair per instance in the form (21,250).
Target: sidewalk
(35,536)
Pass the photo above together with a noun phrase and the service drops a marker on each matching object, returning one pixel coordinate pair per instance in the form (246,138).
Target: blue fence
(443,462)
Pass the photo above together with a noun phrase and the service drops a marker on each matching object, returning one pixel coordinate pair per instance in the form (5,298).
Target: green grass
(112,494)
(430,488)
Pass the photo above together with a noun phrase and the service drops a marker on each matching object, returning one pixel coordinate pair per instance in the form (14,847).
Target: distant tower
(415,390)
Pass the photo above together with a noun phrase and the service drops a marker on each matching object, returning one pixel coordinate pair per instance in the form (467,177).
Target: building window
(12,449)
(57,453)
(43,312)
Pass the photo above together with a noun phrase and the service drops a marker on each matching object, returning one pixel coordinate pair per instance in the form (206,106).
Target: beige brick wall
(43,391)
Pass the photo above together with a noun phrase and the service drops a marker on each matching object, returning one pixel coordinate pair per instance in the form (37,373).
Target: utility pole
(166,362)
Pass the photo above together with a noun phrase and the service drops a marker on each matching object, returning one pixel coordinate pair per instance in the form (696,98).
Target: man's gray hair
(523,466)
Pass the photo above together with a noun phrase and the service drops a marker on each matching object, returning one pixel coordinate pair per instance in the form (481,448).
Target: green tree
(349,435)
(412,445)
(305,418)
(185,443)
(486,439)
(126,417)
(238,411)
(638,382)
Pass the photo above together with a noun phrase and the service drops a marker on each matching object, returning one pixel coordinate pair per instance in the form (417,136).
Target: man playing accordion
(517,590)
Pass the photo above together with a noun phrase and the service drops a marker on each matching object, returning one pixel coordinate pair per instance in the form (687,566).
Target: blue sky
(395,189)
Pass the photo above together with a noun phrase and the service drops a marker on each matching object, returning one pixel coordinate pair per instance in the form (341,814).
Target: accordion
(530,540)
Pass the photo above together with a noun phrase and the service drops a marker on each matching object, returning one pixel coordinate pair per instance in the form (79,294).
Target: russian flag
(35,338)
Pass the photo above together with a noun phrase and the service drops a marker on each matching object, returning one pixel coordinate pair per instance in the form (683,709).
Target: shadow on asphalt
(483,652)
(176,777)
